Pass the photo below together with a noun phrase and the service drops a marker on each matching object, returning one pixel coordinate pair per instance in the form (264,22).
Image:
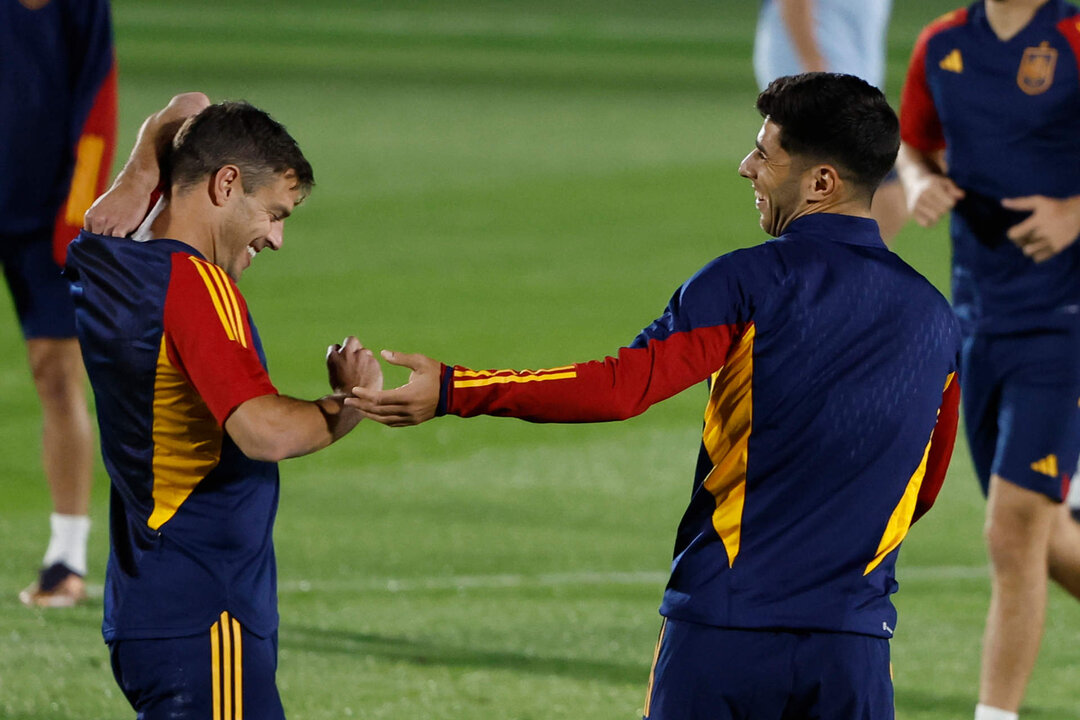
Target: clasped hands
(356,375)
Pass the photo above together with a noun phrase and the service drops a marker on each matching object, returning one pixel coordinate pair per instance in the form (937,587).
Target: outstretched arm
(120,210)
(275,427)
(614,388)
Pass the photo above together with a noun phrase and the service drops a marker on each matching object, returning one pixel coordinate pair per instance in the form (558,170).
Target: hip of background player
(849,33)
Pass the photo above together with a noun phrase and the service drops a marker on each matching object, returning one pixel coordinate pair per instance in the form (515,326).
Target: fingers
(381,401)
(1028,202)
(1038,251)
(954,191)
(394,415)
(413,361)
(115,213)
(936,198)
(926,218)
(1023,230)
(927,213)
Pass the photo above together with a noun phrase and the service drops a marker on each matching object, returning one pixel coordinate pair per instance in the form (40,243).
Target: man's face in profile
(775,179)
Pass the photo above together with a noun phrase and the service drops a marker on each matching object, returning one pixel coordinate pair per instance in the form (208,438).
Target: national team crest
(1036,73)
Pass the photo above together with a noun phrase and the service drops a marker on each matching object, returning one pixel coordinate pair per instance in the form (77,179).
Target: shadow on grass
(427,653)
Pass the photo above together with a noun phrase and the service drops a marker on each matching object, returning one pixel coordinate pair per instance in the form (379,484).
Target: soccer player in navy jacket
(990,122)
(829,423)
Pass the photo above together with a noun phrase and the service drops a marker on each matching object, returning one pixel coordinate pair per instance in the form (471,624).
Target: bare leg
(67,441)
(889,208)
(1019,524)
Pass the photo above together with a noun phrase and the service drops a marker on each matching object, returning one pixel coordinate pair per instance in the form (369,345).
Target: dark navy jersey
(171,351)
(1007,115)
(57,114)
(829,423)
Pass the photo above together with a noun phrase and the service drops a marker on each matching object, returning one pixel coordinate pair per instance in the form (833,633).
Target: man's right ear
(224,183)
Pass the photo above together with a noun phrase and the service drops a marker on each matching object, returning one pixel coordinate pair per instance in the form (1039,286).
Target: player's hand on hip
(119,211)
(931,198)
(411,404)
(1053,225)
(350,365)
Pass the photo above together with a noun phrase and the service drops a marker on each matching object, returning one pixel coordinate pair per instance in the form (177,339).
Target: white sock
(985,712)
(67,544)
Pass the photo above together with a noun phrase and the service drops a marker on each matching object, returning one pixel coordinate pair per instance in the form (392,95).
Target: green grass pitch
(500,183)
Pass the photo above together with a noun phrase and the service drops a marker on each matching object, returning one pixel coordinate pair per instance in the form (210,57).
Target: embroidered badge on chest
(1036,73)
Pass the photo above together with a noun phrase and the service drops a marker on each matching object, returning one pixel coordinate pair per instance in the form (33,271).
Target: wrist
(141,180)
(1072,205)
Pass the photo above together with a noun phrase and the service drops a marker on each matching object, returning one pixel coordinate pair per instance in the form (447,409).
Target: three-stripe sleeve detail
(226,668)
(224,299)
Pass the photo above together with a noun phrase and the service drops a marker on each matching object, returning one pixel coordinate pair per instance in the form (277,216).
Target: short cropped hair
(835,118)
(240,134)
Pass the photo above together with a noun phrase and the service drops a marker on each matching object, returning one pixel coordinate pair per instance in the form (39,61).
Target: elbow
(627,410)
(189,103)
(264,447)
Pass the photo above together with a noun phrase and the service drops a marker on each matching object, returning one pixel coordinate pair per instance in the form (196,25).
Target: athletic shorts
(708,673)
(850,34)
(42,295)
(226,674)
(1021,397)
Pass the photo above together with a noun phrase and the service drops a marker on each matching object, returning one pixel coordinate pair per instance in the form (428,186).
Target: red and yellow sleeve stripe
(223,296)
(463,378)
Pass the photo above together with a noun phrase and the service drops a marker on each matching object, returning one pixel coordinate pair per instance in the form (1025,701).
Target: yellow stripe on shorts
(227,669)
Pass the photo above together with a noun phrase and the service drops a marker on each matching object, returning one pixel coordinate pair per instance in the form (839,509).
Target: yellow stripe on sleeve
(493,373)
(84,181)
(232,308)
(214,298)
(506,379)
(230,296)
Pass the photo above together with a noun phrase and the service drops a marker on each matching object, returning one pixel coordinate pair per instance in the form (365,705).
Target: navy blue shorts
(42,295)
(1021,397)
(224,674)
(708,673)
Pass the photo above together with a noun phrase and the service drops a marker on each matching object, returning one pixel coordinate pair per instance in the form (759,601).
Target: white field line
(581,578)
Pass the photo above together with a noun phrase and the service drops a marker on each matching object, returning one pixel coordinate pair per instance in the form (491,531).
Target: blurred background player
(57,134)
(827,431)
(844,36)
(990,124)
